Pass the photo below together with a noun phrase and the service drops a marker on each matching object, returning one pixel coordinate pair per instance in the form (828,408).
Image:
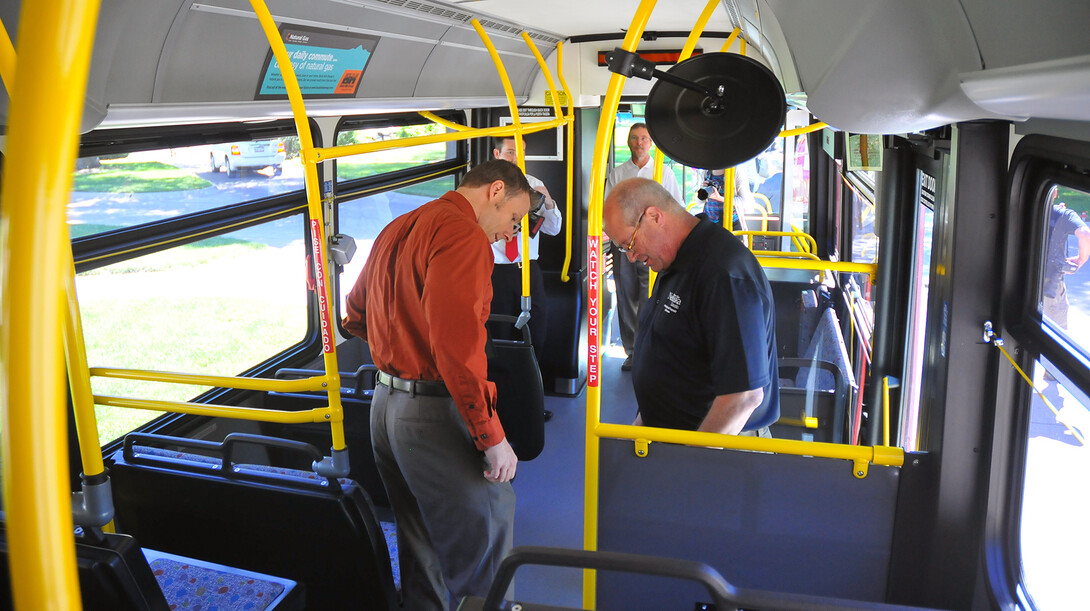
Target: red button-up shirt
(421,303)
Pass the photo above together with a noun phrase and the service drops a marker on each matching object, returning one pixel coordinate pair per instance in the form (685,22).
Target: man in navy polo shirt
(705,355)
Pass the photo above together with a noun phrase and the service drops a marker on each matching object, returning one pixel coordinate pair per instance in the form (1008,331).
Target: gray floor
(549,510)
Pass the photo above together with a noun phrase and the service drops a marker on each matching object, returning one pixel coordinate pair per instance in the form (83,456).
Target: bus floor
(549,489)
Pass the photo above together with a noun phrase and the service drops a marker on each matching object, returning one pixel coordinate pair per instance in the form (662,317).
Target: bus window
(688,179)
(217,306)
(381,162)
(1054,538)
(116,191)
(917,315)
(1065,284)
(365,217)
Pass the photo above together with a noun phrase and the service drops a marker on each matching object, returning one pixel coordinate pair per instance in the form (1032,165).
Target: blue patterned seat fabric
(194,585)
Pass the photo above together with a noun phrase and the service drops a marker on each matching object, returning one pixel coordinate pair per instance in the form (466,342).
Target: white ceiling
(596,16)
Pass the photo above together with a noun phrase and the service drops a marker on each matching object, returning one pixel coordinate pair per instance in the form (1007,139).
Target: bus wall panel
(764,521)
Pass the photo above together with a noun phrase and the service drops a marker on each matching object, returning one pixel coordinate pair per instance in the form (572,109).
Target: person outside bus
(507,256)
(421,303)
(705,355)
(1062,223)
(631,276)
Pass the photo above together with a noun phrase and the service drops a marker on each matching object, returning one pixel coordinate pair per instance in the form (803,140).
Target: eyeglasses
(632,240)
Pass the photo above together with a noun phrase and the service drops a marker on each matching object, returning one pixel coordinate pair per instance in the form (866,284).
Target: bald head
(642,217)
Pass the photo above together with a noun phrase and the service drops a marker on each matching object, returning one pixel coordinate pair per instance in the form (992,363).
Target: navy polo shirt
(709,329)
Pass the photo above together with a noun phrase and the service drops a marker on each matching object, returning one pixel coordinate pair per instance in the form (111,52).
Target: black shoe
(627,364)
(548,415)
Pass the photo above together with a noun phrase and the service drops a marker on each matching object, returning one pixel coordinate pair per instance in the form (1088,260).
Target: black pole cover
(716,132)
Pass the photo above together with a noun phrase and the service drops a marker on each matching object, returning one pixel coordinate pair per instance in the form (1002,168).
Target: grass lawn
(136,177)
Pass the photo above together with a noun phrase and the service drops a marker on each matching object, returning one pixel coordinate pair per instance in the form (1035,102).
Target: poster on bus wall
(327,64)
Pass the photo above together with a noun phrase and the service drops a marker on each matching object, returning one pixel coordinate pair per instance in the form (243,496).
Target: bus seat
(357,389)
(520,395)
(829,406)
(317,531)
(825,344)
(116,575)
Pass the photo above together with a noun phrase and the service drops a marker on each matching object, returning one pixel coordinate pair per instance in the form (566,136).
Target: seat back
(798,403)
(190,497)
(113,573)
(520,401)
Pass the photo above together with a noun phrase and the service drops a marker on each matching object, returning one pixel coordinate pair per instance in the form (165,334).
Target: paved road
(361,219)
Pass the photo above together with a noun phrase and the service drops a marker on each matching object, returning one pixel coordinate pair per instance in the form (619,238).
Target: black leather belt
(428,388)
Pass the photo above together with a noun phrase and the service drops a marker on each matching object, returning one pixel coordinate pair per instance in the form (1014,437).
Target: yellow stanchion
(570,161)
(7,60)
(594,272)
(47,101)
(434,118)
(317,221)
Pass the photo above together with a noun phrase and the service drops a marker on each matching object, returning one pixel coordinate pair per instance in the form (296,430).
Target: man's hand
(549,202)
(502,462)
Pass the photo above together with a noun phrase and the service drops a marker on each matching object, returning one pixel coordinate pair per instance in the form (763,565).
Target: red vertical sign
(593,283)
(319,276)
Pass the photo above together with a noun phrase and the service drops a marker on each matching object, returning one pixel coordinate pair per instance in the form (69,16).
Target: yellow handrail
(594,258)
(787,253)
(810,242)
(347,150)
(434,118)
(835,266)
(79,378)
(317,222)
(318,414)
(879,455)
(730,40)
(520,149)
(46,106)
(885,410)
(7,60)
(806,129)
(570,161)
(314,383)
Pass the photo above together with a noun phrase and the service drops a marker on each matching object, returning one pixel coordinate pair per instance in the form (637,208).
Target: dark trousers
(453,525)
(507,299)
(631,280)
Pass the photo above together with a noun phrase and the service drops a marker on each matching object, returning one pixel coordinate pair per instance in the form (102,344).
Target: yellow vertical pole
(570,154)
(79,378)
(317,221)
(594,304)
(7,60)
(524,235)
(885,411)
(47,99)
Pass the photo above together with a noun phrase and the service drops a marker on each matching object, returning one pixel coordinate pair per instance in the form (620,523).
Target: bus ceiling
(866,66)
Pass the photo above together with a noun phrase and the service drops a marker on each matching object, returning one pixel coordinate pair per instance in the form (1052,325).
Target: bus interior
(183,215)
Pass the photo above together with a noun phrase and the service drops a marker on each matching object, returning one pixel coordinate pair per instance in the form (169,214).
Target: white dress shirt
(551,225)
(629,170)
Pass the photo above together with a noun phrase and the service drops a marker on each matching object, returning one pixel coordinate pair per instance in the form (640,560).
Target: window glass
(796,191)
(380,162)
(116,191)
(917,321)
(1065,284)
(365,217)
(218,306)
(1054,536)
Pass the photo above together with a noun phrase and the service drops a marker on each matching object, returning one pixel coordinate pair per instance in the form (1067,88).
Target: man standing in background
(631,277)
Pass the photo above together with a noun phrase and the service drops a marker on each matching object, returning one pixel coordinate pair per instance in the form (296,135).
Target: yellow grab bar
(570,158)
(347,150)
(320,414)
(300,385)
(806,129)
(787,253)
(879,455)
(317,221)
(730,40)
(594,258)
(808,244)
(45,111)
(79,378)
(434,118)
(7,60)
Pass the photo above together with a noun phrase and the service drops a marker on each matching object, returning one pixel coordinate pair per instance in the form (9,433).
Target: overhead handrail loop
(564,277)
(47,100)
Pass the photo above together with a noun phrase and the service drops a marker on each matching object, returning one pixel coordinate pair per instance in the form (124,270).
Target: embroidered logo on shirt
(673,303)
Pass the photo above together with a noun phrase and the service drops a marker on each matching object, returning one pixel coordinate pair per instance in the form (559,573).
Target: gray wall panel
(765,521)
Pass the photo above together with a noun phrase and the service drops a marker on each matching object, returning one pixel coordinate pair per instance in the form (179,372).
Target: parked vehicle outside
(234,157)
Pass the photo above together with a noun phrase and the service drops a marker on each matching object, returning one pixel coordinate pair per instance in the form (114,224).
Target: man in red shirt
(421,303)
